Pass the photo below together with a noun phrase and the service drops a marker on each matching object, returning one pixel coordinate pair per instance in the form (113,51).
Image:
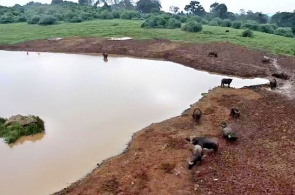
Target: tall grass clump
(14,131)
(286,32)
(47,20)
(226,23)
(247,33)
(173,23)
(192,26)
(154,22)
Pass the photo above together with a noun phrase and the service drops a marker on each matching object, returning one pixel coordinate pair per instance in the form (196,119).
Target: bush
(286,32)
(105,15)
(236,24)
(266,28)
(183,19)
(85,16)
(34,20)
(247,33)
(226,23)
(128,15)
(195,18)
(2,120)
(76,19)
(22,18)
(116,14)
(154,22)
(173,23)
(215,22)
(192,26)
(252,25)
(5,19)
(47,20)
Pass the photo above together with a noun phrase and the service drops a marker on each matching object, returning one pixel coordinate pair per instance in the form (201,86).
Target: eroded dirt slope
(261,162)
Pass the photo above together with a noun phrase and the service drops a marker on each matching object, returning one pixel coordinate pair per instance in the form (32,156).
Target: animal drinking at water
(197,114)
(226,82)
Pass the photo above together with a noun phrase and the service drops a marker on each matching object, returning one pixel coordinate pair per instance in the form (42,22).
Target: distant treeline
(282,23)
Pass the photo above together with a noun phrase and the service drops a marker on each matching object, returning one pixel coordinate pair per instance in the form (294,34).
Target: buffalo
(213,54)
(273,83)
(105,55)
(196,156)
(204,142)
(197,114)
(226,82)
(228,132)
(235,113)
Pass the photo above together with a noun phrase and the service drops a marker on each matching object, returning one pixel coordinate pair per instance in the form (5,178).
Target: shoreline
(154,168)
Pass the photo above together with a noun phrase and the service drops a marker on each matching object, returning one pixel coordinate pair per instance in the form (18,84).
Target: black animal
(197,114)
(228,132)
(196,156)
(226,82)
(204,142)
(213,54)
(105,55)
(235,113)
(281,75)
(227,31)
(273,83)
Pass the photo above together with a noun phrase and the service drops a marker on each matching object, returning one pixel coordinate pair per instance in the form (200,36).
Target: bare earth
(262,161)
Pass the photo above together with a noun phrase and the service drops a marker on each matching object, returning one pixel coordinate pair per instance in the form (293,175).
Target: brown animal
(204,142)
(197,114)
(235,113)
(213,54)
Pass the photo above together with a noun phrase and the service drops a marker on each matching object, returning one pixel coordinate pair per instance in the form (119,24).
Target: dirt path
(261,161)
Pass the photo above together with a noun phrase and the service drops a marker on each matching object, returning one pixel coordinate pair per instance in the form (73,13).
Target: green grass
(21,32)
(15,131)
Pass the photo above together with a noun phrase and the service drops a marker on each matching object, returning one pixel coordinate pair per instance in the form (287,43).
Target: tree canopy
(195,8)
(147,6)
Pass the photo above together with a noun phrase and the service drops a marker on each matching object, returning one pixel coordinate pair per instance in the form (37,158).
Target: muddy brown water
(91,109)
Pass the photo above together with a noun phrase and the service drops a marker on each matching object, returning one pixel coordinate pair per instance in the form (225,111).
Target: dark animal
(227,31)
(197,114)
(204,142)
(235,113)
(266,59)
(281,75)
(196,156)
(213,54)
(27,53)
(273,83)
(228,132)
(105,55)
(226,82)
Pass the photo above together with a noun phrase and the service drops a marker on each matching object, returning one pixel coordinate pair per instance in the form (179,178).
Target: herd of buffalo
(203,145)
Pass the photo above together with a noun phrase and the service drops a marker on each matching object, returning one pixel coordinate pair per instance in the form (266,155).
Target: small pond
(90,107)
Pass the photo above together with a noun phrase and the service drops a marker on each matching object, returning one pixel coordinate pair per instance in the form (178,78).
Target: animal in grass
(197,114)
(196,156)
(235,113)
(213,54)
(228,132)
(227,31)
(265,59)
(105,55)
(204,142)
(273,83)
(226,82)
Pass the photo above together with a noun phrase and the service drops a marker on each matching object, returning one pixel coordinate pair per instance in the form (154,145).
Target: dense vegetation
(145,14)
(15,131)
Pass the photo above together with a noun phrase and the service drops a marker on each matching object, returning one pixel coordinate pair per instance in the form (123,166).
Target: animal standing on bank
(273,83)
(197,114)
(235,113)
(228,132)
(204,142)
(213,54)
(226,82)
(196,156)
(105,55)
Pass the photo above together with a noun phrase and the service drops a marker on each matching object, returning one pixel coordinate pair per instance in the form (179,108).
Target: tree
(56,1)
(146,6)
(123,4)
(174,9)
(219,10)
(85,2)
(195,8)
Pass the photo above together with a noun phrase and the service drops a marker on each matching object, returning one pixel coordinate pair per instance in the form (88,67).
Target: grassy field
(21,32)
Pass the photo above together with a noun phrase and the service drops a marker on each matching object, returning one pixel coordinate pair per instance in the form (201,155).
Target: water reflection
(90,110)
(32,138)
